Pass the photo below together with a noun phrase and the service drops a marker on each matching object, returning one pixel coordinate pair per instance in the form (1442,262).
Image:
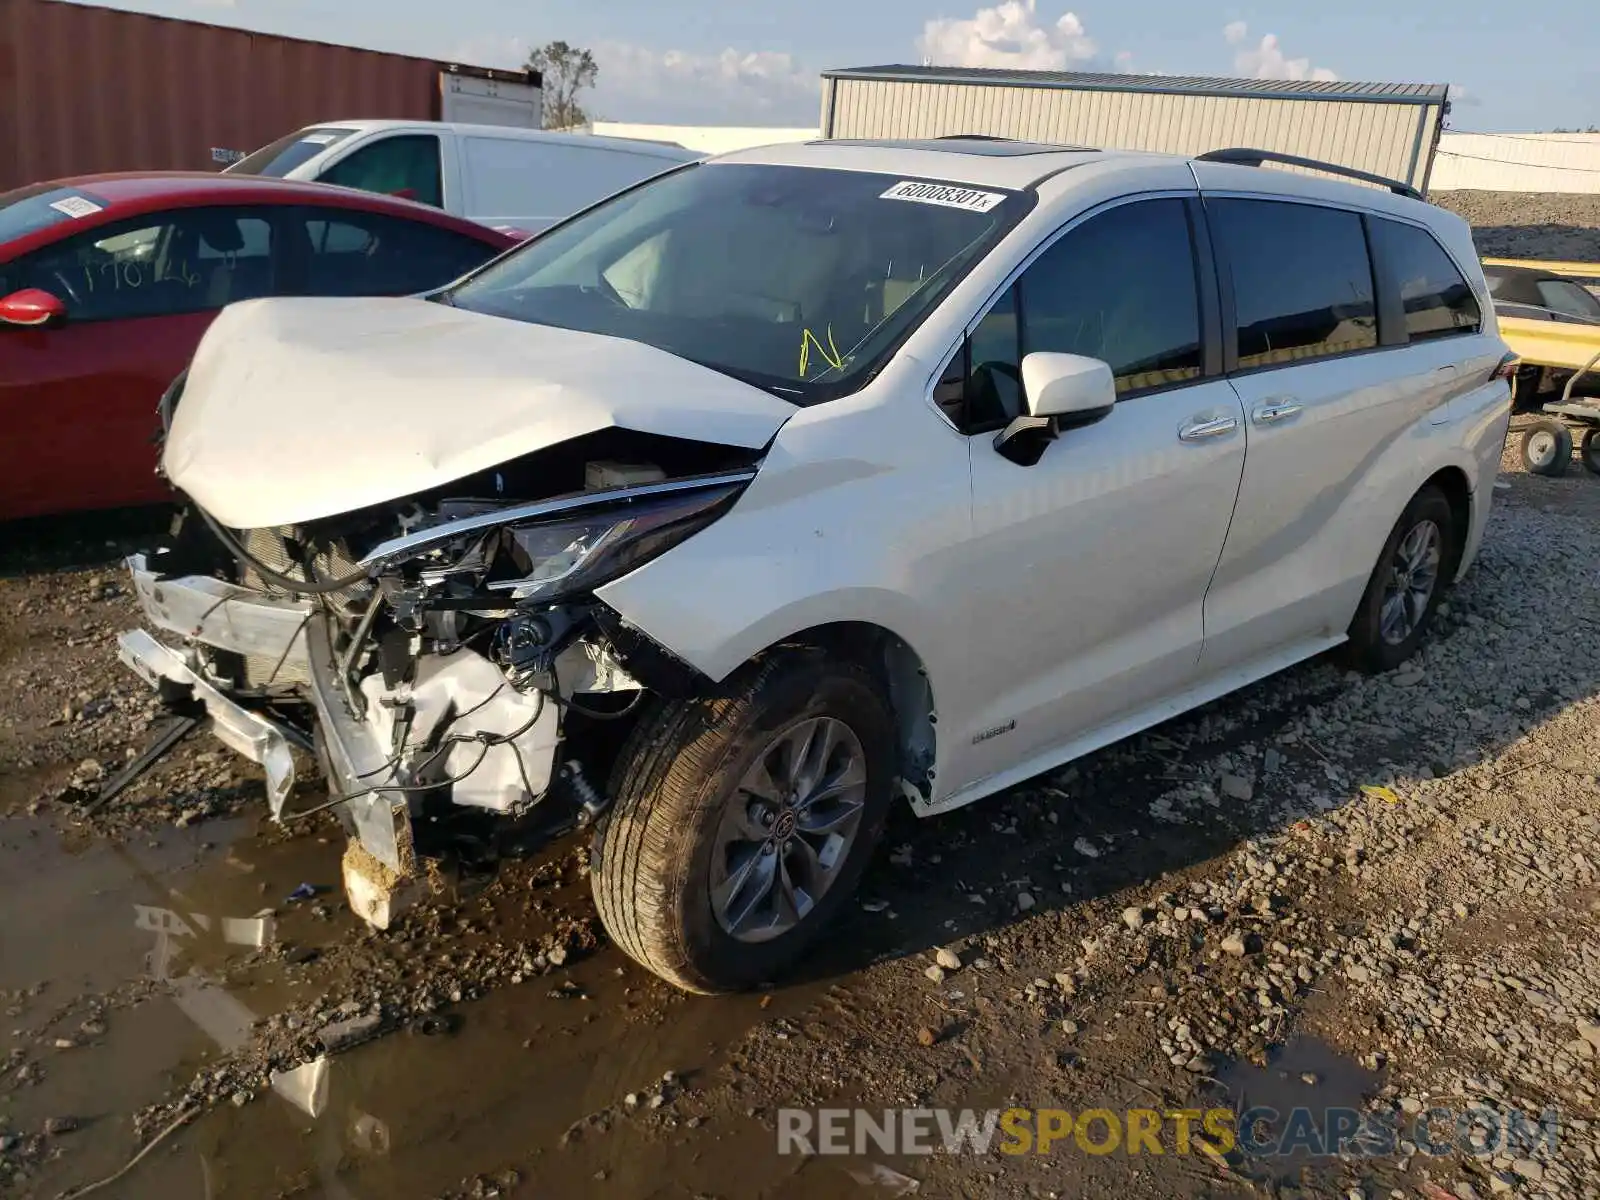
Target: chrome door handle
(1281,410)
(1198,430)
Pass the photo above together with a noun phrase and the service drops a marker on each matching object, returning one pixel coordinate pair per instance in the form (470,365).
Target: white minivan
(520,179)
(812,479)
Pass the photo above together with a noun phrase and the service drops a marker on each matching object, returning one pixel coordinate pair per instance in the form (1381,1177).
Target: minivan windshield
(287,153)
(801,280)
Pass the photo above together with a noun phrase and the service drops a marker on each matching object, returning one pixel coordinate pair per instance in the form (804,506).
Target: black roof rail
(973,137)
(1245,156)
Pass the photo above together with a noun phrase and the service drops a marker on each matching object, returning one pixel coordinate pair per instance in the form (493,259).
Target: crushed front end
(442,656)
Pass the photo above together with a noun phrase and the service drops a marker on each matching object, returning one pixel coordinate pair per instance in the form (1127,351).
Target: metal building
(1388,129)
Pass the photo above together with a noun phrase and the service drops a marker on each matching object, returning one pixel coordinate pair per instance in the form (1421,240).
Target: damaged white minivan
(809,479)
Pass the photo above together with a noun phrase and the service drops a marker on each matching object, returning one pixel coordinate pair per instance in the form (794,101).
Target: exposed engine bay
(443,653)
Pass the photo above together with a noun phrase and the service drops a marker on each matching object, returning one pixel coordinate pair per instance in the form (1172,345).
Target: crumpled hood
(297,409)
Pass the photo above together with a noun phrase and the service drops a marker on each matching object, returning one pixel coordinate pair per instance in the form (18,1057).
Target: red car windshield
(30,209)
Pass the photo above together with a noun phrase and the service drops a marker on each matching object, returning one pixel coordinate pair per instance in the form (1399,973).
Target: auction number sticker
(946,195)
(75,207)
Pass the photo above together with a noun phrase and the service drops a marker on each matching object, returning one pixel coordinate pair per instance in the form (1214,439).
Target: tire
(1546,448)
(677,784)
(1375,644)
(1589,450)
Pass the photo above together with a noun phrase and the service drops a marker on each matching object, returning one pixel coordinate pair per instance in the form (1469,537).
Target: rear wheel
(1589,450)
(1406,586)
(744,819)
(1546,448)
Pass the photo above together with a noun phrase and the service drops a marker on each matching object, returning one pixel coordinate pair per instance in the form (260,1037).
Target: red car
(107,283)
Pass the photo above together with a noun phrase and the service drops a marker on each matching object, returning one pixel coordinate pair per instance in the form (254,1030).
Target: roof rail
(1245,156)
(973,137)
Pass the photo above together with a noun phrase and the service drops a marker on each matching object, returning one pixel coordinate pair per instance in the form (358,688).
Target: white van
(520,179)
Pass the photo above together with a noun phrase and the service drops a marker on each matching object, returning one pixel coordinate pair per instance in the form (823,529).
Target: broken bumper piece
(252,735)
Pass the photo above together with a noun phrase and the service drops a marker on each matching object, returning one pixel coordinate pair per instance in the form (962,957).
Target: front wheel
(1406,585)
(1546,448)
(744,819)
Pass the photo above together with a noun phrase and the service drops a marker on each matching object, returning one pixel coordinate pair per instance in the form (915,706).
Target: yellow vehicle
(1552,323)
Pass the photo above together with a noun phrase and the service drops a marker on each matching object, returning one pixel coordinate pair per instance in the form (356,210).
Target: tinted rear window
(30,209)
(287,153)
(1436,299)
(1302,280)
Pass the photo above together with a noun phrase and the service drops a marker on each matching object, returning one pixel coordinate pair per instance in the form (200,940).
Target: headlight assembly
(580,553)
(533,553)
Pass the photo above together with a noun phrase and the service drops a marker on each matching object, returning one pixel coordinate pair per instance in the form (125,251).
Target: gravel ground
(1530,225)
(1208,914)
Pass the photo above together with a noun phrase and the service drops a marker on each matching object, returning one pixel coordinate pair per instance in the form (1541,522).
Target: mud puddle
(129,968)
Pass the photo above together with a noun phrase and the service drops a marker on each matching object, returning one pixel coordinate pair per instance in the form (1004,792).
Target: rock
(1069,1027)
(1086,848)
(340,1035)
(9,1142)
(57,1126)
(1234,944)
(657,1100)
(935,973)
(1024,901)
(631,1099)
(947,958)
(240,1099)
(926,1036)
(1528,1169)
(1589,1033)
(1237,787)
(557,957)
(1133,917)
(1410,1105)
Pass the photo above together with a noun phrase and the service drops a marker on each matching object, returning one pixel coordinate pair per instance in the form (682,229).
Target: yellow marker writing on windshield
(830,352)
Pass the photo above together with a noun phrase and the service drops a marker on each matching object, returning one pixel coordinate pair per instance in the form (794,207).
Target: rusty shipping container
(85,89)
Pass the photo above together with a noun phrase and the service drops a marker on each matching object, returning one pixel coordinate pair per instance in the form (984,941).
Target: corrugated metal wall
(1518,162)
(1388,139)
(90,89)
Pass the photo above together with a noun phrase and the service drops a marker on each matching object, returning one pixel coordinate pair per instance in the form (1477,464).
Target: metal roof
(1194,85)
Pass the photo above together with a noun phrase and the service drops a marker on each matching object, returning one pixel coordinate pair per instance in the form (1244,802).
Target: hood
(297,409)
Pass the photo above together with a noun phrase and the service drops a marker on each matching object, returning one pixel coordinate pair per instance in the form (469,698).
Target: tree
(567,70)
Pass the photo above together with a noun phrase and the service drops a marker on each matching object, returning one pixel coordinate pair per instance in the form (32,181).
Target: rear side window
(404,165)
(1436,299)
(512,177)
(353,253)
(1302,280)
(1568,299)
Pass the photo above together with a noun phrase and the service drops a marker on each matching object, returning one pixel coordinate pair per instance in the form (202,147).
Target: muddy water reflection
(531,1079)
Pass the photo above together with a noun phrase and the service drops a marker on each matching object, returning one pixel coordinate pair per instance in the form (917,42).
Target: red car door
(78,399)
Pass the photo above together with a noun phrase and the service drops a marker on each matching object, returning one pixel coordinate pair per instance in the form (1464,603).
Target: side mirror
(1063,391)
(31,308)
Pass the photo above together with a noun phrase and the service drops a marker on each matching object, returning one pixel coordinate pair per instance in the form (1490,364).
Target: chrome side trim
(252,735)
(549,508)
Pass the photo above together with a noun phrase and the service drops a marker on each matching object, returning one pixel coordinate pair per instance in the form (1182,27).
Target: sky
(1512,67)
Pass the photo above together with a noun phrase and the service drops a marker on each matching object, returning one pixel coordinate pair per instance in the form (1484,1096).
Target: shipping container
(1388,129)
(86,89)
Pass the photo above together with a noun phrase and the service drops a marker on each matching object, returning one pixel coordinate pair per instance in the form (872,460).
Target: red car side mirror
(31,308)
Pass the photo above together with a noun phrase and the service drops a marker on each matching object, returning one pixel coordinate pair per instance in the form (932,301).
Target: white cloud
(1008,35)
(672,87)
(1266,59)
(734,87)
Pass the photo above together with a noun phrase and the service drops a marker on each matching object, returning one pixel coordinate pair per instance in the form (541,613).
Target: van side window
(404,165)
(1437,300)
(353,253)
(1302,280)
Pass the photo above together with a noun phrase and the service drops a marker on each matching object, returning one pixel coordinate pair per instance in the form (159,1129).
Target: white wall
(1517,162)
(708,139)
